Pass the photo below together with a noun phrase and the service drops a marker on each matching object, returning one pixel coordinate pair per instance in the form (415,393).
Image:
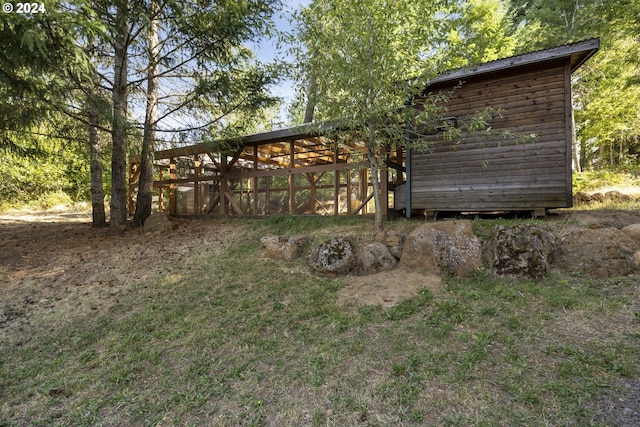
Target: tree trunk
(574,144)
(311,99)
(118,221)
(145,182)
(373,166)
(95,165)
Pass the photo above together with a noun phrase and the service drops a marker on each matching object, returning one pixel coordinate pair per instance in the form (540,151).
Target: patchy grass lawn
(192,328)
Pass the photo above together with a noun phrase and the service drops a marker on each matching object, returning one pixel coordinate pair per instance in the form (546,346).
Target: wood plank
(481,99)
(233,203)
(481,179)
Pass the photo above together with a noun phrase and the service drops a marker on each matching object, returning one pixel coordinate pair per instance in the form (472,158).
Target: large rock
(285,247)
(333,257)
(523,250)
(158,222)
(374,257)
(633,231)
(447,248)
(599,252)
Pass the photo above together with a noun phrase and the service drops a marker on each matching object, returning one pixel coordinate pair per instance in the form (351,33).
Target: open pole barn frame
(292,171)
(301,171)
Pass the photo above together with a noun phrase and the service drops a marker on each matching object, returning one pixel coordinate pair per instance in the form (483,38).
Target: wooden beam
(336,181)
(292,160)
(172,187)
(384,185)
(305,169)
(363,204)
(255,181)
(349,191)
(233,203)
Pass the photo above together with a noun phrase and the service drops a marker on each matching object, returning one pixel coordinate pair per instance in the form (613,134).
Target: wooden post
(348,173)
(311,177)
(172,187)
(224,185)
(384,185)
(292,165)
(267,191)
(407,185)
(255,180)
(364,188)
(336,181)
(399,179)
(196,186)
(160,191)
(134,173)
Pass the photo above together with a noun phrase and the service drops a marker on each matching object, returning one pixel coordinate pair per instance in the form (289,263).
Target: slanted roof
(578,52)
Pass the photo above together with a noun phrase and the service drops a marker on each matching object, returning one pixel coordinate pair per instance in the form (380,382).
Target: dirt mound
(386,288)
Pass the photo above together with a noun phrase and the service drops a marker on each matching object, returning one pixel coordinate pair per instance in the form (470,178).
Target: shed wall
(486,171)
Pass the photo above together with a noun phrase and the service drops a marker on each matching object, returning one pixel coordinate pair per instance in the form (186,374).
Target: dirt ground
(55,262)
(51,259)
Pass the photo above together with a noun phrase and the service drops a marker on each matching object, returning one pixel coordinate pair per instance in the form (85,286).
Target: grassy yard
(223,338)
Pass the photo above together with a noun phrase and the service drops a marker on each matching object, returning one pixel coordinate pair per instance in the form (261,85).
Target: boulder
(633,231)
(523,250)
(581,198)
(599,252)
(396,251)
(446,248)
(284,247)
(374,257)
(613,195)
(333,257)
(158,222)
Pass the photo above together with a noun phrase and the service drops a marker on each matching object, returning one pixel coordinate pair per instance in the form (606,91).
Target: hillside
(190,327)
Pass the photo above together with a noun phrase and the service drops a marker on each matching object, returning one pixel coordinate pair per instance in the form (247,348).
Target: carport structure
(293,171)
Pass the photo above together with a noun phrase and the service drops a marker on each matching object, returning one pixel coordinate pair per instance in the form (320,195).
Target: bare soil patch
(54,265)
(386,288)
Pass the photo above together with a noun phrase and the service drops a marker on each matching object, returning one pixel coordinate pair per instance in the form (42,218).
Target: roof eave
(578,52)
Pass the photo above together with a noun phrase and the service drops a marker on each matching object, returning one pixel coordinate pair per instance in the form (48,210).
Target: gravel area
(619,407)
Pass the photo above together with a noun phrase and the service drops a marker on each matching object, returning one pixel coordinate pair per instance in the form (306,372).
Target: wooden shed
(487,171)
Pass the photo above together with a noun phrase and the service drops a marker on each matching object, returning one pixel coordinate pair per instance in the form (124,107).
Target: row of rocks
(582,198)
(450,248)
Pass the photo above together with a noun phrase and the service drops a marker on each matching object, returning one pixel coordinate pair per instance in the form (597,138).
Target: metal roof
(578,52)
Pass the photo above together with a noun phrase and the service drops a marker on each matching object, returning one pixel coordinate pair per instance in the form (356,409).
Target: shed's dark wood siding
(488,172)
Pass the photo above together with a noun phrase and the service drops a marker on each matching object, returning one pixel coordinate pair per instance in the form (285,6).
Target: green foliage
(596,180)
(606,88)
(368,59)
(54,172)
(479,33)
(608,124)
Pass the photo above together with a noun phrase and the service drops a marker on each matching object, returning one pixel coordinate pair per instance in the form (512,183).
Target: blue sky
(267,51)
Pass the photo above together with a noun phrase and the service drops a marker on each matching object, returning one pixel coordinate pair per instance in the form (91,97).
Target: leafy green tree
(43,65)
(222,89)
(606,95)
(479,32)
(366,59)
